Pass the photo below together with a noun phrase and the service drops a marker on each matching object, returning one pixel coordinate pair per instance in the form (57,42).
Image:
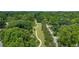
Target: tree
(17,37)
(69,35)
(38,17)
(75,21)
(2,23)
(21,24)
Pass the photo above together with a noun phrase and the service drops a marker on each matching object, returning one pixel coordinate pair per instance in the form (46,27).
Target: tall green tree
(69,35)
(17,37)
(2,23)
(28,25)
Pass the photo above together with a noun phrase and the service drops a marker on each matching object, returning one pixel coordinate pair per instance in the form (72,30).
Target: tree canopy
(16,37)
(69,35)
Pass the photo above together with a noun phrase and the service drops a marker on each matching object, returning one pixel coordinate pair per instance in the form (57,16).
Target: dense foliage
(21,24)
(17,29)
(69,35)
(2,23)
(16,37)
(65,26)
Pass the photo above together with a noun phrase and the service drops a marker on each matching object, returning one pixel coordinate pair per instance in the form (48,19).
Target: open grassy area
(40,33)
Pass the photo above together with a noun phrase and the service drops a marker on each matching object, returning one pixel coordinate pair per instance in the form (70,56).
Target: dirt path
(39,34)
(1,45)
(54,37)
(38,39)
